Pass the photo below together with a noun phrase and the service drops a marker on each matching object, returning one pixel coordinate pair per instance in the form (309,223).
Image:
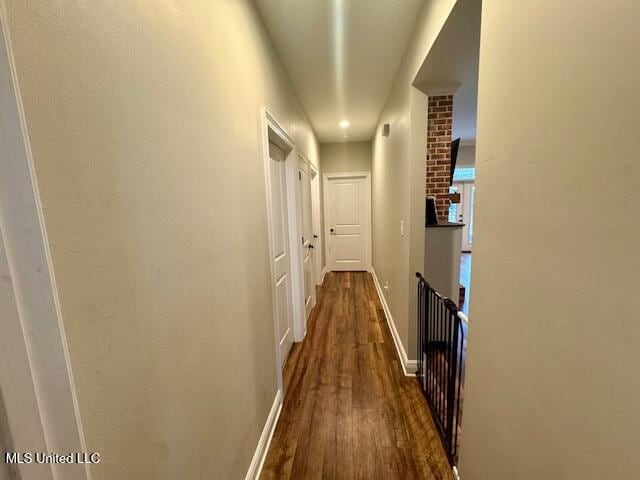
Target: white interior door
(316,224)
(306,236)
(280,241)
(467,213)
(463,212)
(348,219)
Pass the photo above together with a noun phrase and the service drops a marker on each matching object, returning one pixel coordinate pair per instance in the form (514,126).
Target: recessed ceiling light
(344,124)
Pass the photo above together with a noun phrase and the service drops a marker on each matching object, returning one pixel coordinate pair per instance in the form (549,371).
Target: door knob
(332,231)
(310,246)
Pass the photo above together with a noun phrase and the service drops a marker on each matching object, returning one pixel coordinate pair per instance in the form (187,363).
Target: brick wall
(439,119)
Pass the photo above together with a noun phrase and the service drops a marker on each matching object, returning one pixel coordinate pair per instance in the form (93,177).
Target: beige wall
(398,170)
(145,123)
(345,157)
(553,368)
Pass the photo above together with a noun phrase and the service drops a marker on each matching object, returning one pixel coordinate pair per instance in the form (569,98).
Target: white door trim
(273,131)
(317,223)
(325,186)
(465,188)
(309,168)
(35,369)
(468,187)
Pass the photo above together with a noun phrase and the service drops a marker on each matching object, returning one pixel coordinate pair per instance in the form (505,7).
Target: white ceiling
(453,60)
(341,56)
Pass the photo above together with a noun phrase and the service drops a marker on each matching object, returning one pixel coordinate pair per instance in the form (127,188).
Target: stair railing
(441,357)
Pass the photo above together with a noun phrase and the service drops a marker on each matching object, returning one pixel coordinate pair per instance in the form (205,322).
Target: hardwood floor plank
(349,412)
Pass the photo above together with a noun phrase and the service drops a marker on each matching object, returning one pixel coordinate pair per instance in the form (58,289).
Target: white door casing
(463,211)
(467,230)
(281,251)
(305,234)
(273,132)
(36,379)
(316,223)
(347,201)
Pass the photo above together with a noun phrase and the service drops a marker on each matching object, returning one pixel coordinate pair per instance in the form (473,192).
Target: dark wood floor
(349,412)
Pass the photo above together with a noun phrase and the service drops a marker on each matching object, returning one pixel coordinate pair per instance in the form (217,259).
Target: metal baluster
(441,341)
(429,346)
(451,391)
(459,386)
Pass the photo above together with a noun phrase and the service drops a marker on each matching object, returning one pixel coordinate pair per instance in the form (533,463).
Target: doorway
(347,201)
(463,212)
(286,188)
(305,230)
(39,402)
(280,256)
(316,224)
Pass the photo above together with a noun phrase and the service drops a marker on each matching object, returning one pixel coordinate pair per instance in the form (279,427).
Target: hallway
(349,411)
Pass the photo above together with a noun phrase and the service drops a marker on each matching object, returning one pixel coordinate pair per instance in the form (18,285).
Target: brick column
(439,120)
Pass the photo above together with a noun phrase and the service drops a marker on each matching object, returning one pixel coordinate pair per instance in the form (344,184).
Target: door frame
(465,189)
(317,223)
(326,177)
(273,131)
(468,190)
(36,380)
(308,170)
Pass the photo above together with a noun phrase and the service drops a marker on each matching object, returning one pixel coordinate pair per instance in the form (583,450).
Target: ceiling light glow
(344,124)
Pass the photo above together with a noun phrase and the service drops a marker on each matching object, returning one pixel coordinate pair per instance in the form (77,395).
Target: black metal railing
(441,357)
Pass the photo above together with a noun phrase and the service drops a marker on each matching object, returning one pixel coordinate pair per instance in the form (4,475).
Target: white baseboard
(408,366)
(324,272)
(456,473)
(257,462)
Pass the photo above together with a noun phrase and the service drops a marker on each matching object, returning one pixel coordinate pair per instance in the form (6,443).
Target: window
(464,174)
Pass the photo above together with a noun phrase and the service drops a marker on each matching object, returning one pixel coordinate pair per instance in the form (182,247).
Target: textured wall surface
(398,160)
(145,123)
(552,371)
(7,472)
(345,157)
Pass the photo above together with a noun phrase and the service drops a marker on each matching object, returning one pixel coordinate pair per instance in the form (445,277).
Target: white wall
(553,368)
(399,162)
(145,123)
(466,156)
